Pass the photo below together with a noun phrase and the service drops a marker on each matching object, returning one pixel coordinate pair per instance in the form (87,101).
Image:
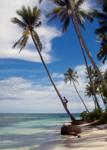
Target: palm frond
(78,3)
(101,30)
(70,75)
(102,55)
(38,24)
(39,44)
(54,14)
(18,22)
(66,24)
(21,43)
(59,2)
(29,16)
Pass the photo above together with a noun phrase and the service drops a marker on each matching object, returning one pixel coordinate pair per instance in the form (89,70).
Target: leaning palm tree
(71,76)
(30,19)
(70,10)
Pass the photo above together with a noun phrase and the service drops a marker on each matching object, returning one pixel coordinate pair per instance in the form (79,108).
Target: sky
(24,85)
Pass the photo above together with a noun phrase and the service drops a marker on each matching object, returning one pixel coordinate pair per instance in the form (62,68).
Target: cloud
(23,95)
(103,67)
(9,32)
(88,5)
(24,55)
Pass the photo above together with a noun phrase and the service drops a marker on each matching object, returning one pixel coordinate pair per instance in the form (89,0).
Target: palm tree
(71,76)
(102,32)
(70,10)
(91,87)
(89,93)
(30,19)
(100,90)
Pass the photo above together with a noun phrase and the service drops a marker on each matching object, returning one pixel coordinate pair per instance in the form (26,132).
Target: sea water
(30,131)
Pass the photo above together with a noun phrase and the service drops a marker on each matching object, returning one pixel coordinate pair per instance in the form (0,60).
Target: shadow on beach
(49,141)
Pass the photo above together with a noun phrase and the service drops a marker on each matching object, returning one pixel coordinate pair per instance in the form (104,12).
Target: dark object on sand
(70,130)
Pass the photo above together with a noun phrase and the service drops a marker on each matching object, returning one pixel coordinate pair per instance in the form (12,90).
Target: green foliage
(63,11)
(95,115)
(29,19)
(84,115)
(102,32)
(103,118)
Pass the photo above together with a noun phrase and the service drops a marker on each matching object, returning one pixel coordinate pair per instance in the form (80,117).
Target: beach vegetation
(98,115)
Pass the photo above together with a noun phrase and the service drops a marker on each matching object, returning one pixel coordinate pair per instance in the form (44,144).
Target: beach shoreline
(42,132)
(91,139)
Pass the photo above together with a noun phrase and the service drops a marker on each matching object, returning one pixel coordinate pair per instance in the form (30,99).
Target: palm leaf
(39,44)
(78,3)
(21,43)
(102,55)
(18,22)
(59,2)
(65,24)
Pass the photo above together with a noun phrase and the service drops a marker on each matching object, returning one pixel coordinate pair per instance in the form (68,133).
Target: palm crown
(70,75)
(30,19)
(64,12)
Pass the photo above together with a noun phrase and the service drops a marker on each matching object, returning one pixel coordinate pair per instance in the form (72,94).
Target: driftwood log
(76,128)
(70,130)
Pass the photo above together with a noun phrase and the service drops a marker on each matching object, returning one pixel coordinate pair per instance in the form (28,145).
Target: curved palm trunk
(59,95)
(89,74)
(91,82)
(80,97)
(83,43)
(90,78)
(94,102)
(104,102)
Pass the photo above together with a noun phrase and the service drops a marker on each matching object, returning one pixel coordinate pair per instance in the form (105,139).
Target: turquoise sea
(30,131)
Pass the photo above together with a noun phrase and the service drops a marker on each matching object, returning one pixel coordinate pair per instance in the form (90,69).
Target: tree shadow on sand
(47,141)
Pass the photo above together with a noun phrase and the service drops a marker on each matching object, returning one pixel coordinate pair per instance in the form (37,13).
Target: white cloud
(22,95)
(88,5)
(9,33)
(24,55)
(103,67)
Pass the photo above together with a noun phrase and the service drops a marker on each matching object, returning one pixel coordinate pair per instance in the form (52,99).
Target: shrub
(91,116)
(95,115)
(103,118)
(84,115)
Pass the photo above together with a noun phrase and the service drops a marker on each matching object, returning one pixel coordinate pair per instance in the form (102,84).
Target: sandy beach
(91,139)
(42,132)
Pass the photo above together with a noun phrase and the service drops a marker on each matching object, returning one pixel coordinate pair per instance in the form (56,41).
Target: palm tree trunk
(59,95)
(80,97)
(96,107)
(89,74)
(103,99)
(90,79)
(83,43)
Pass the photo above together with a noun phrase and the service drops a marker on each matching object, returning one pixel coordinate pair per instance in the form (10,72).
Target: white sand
(91,139)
